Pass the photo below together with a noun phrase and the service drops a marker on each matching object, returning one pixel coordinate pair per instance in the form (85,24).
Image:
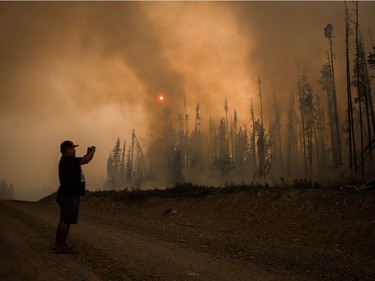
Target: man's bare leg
(61,236)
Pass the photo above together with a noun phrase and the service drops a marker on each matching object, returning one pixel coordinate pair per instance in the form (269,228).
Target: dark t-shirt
(72,180)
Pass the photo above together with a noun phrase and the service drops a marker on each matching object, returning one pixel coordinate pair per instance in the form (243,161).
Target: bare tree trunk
(277,140)
(261,137)
(351,135)
(302,122)
(253,148)
(291,140)
(186,156)
(359,94)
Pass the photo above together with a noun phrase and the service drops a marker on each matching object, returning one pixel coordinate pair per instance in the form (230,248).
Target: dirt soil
(262,234)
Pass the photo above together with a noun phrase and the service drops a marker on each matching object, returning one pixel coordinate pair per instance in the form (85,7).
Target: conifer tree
(328,74)
(307,122)
(113,166)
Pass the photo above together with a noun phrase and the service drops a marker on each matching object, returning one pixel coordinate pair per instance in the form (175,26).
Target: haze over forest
(92,72)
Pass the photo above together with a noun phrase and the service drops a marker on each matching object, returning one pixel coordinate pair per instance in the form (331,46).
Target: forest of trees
(314,143)
(122,167)
(6,190)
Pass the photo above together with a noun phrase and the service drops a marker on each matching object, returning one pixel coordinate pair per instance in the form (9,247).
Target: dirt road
(126,242)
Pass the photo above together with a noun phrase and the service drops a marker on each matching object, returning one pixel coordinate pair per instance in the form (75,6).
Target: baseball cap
(66,144)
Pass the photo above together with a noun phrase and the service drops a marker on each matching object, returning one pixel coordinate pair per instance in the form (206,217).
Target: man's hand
(89,155)
(91,148)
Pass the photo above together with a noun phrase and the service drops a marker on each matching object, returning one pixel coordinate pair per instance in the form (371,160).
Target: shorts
(69,206)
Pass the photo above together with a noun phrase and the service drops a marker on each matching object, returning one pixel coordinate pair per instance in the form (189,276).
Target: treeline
(9,192)
(34,193)
(317,142)
(6,190)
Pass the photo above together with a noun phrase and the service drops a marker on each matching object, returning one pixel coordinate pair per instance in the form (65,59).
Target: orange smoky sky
(93,71)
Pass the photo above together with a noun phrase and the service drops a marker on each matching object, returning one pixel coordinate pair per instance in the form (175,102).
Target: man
(72,186)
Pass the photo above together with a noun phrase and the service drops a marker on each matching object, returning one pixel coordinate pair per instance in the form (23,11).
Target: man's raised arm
(89,155)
